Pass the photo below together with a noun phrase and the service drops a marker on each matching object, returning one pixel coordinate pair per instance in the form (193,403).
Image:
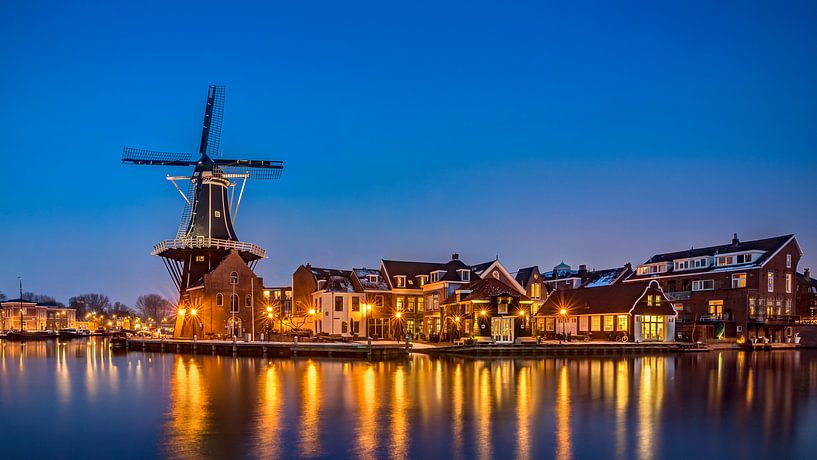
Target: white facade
(337,313)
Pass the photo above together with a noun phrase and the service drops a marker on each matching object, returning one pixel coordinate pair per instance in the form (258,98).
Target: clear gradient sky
(586,132)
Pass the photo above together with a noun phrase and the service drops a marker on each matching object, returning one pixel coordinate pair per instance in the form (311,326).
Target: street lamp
(563,312)
(314,326)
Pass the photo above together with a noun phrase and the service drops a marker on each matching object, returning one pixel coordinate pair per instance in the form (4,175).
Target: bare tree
(2,297)
(153,306)
(120,309)
(41,298)
(87,303)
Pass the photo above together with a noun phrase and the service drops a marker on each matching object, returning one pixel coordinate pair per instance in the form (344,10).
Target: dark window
(248,301)
(338,303)
(355,303)
(233,278)
(219,300)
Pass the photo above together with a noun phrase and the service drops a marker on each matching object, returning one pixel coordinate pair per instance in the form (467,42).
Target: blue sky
(589,132)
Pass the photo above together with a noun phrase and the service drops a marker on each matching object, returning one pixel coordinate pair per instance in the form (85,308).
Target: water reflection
(732,404)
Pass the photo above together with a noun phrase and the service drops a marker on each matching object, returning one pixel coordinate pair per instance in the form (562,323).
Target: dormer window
(422,279)
(400,281)
(321,284)
(374,278)
(437,275)
(465,275)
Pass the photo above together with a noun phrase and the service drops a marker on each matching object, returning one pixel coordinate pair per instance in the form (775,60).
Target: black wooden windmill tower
(206,237)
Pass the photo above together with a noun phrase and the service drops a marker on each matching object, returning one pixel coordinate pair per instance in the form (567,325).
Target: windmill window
(219,300)
(233,278)
(218,213)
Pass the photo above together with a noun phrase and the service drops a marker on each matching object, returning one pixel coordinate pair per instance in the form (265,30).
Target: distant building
(35,316)
(807,297)
(611,311)
(742,289)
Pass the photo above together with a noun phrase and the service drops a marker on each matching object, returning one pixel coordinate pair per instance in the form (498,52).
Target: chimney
(807,274)
(582,271)
(455,256)
(735,240)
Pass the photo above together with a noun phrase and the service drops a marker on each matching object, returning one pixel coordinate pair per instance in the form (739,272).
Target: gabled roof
(523,275)
(613,299)
(363,274)
(486,289)
(479,269)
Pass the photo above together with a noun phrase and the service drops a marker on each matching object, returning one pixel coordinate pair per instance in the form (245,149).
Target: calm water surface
(79,398)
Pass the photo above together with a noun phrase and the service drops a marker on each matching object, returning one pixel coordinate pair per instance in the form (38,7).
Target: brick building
(742,289)
(227,300)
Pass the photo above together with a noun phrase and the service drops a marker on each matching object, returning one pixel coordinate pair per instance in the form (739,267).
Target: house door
(652,328)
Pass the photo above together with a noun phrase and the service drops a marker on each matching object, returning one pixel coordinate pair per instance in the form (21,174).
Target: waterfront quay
(354,350)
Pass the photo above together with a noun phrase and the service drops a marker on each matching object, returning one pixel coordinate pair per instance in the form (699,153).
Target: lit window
(399,304)
(420,302)
(716,308)
(400,281)
(649,300)
(218,213)
(738,280)
(199,258)
(622,322)
(609,323)
(788,283)
(770,281)
(595,323)
(378,301)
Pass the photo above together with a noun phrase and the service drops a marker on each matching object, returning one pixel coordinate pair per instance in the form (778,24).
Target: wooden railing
(207,243)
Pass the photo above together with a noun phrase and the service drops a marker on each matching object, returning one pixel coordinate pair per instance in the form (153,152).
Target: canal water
(81,399)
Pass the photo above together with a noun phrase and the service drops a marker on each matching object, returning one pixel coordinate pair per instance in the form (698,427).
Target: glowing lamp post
(563,312)
(314,326)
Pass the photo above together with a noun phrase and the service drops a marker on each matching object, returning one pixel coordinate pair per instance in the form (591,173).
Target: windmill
(205,236)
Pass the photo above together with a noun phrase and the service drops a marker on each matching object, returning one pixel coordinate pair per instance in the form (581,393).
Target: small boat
(119,342)
(68,333)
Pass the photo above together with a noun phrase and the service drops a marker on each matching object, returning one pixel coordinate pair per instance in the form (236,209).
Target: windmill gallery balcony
(204,243)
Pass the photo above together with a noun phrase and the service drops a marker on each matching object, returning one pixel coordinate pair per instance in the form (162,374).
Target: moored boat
(68,333)
(24,336)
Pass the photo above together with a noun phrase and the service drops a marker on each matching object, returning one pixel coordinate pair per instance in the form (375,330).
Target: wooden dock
(561,349)
(375,352)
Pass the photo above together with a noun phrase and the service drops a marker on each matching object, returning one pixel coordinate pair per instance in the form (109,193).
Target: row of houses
(737,290)
(26,315)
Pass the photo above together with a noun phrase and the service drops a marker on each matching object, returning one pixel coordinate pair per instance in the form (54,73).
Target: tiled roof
(768,245)
(614,299)
(523,275)
(411,269)
(335,280)
(486,289)
(599,278)
(363,277)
